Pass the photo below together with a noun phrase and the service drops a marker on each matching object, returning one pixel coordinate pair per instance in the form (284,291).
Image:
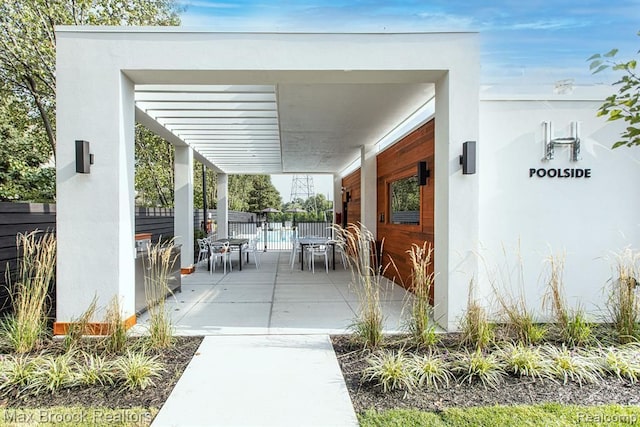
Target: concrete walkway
(267,380)
(266,359)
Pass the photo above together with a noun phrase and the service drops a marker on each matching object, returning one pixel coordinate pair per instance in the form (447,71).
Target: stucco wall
(587,219)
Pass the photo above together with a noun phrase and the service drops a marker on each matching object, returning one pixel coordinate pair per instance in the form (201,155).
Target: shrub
(525,361)
(577,331)
(137,370)
(19,335)
(623,362)
(52,373)
(16,371)
(390,370)
(95,370)
(623,302)
(488,369)
(567,365)
(24,329)
(522,322)
(431,370)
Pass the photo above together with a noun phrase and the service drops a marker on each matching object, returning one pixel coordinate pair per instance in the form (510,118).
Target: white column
(337,196)
(456,195)
(223,205)
(183,201)
(368,189)
(95,212)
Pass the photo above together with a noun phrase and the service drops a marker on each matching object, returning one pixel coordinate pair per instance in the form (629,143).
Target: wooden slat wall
(396,162)
(351,184)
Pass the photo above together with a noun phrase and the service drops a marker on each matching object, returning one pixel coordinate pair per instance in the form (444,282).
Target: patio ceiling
(284,127)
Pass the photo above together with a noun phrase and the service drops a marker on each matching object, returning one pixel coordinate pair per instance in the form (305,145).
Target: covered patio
(274,299)
(253,103)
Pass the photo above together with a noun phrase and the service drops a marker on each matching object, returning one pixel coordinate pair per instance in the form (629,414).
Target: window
(405,201)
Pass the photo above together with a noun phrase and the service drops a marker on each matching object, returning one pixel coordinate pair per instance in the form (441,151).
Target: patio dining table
(306,241)
(239,242)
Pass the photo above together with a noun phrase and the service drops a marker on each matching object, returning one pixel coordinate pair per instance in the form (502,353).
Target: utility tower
(302,187)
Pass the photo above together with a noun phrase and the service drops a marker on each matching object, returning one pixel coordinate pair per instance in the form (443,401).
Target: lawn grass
(74,416)
(526,415)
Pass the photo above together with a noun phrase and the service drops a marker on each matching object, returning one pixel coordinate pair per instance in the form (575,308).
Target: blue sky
(521,41)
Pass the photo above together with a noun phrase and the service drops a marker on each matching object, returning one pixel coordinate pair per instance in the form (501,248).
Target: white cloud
(546,25)
(207,4)
(450,22)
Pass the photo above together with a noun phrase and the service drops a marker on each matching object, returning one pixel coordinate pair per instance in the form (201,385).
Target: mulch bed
(175,360)
(364,395)
(514,391)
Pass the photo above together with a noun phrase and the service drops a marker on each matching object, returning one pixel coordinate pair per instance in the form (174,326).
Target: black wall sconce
(84,159)
(348,196)
(468,158)
(423,173)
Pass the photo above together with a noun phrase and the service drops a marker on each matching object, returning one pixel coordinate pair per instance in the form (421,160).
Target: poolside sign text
(559,173)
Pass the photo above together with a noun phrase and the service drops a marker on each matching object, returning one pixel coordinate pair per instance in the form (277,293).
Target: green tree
(23,151)
(28,42)
(405,195)
(263,194)
(625,104)
(212,193)
(154,169)
(317,207)
(239,188)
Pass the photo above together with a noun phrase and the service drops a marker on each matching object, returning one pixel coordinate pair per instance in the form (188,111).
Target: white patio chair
(253,247)
(295,251)
(204,250)
(314,251)
(340,251)
(220,251)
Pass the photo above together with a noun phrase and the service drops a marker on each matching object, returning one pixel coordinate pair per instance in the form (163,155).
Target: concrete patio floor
(273,299)
(268,328)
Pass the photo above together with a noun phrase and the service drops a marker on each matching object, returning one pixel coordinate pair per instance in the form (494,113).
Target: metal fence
(277,236)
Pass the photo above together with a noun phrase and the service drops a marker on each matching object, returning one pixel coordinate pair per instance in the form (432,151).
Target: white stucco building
(314,103)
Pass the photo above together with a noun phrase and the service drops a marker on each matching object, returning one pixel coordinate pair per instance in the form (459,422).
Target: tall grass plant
(421,324)
(515,313)
(475,328)
(391,370)
(24,329)
(158,263)
(572,324)
(80,327)
(367,280)
(623,301)
(116,338)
